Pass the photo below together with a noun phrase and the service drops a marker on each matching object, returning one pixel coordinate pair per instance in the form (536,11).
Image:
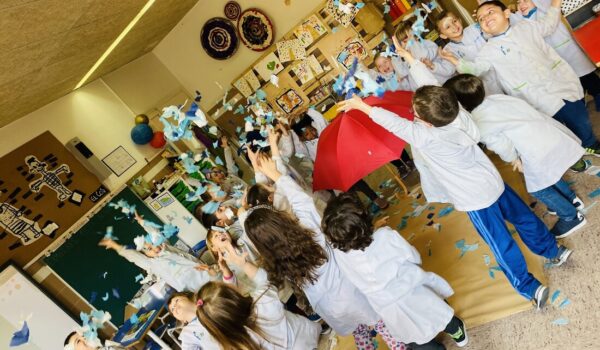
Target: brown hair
(227,315)
(444,14)
(347,224)
(288,250)
(469,90)
(209,245)
(403,30)
(435,105)
(258,194)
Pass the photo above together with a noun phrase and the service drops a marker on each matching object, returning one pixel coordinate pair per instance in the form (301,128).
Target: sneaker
(540,297)
(381,203)
(594,150)
(580,166)
(564,228)
(460,337)
(577,203)
(563,255)
(325,329)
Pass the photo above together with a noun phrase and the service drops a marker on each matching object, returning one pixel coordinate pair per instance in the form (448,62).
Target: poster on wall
(270,64)
(353,47)
(252,80)
(243,87)
(290,50)
(310,30)
(303,72)
(343,15)
(119,161)
(289,101)
(43,191)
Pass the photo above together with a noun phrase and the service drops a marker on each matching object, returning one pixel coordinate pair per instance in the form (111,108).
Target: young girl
(297,252)
(466,44)
(76,341)
(193,335)
(563,42)
(252,322)
(386,268)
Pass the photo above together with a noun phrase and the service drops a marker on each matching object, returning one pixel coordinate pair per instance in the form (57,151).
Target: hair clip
(199,303)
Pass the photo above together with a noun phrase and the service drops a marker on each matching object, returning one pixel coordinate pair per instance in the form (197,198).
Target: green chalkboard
(95,272)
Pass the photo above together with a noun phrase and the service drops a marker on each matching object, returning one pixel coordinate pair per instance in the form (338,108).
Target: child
(227,181)
(520,134)
(224,216)
(297,252)
(193,335)
(424,50)
(254,322)
(530,69)
(76,341)
(390,78)
(177,270)
(386,268)
(563,42)
(308,129)
(465,44)
(455,170)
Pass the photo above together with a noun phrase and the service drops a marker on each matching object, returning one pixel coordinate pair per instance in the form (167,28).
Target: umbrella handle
(398,179)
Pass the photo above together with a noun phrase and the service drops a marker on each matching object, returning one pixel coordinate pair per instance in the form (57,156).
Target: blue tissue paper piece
(21,336)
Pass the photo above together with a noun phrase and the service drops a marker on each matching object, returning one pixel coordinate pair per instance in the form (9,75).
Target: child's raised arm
(464,66)
(547,24)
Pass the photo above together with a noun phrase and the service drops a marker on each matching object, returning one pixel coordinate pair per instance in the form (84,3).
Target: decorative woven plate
(219,38)
(232,10)
(255,30)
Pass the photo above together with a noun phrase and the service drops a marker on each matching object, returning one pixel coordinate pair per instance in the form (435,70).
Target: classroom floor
(573,325)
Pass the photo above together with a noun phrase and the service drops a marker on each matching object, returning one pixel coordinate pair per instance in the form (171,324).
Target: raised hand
(448,56)
(354,103)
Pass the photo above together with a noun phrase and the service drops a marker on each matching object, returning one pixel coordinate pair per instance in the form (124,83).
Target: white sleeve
(286,145)
(543,5)
(319,121)
(501,145)
(281,167)
(405,250)
(440,65)
(229,162)
(411,132)
(260,178)
(136,257)
(546,25)
(303,205)
(400,67)
(422,75)
(477,67)
(267,303)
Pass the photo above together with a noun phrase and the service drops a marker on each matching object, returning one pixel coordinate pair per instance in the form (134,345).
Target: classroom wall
(181,52)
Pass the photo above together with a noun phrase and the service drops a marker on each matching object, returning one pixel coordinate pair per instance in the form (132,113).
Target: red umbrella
(353,146)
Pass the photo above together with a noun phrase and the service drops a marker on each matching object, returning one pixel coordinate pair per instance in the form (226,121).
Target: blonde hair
(403,30)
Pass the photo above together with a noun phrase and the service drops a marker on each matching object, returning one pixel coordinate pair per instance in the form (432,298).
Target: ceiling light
(115,43)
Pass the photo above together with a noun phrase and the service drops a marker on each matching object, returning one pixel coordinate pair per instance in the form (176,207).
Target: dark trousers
(451,328)
(363,186)
(591,83)
(574,115)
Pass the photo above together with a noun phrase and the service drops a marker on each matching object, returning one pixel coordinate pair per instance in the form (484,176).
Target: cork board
(44,191)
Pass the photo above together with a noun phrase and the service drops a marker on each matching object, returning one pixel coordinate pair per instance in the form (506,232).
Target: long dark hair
(258,194)
(288,251)
(227,315)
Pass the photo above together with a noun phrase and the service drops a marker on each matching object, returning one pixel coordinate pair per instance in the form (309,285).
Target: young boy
(542,147)
(455,170)
(426,51)
(466,44)
(307,130)
(76,341)
(528,68)
(563,42)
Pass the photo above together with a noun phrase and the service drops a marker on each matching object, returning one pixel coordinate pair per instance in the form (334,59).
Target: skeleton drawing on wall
(48,178)
(13,221)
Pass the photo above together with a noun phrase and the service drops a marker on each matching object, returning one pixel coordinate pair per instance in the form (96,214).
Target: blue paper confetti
(239,110)
(134,319)
(554,296)
(139,277)
(109,234)
(335,29)
(561,321)
(21,336)
(124,207)
(564,303)
(261,95)
(492,269)
(105,297)
(188,219)
(464,248)
(445,211)
(170,230)
(115,293)
(386,9)
(210,207)
(487,260)
(402,225)
(219,161)
(196,195)
(594,193)
(93,297)
(359,5)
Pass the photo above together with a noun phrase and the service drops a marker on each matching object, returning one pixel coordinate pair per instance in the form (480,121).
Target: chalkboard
(95,272)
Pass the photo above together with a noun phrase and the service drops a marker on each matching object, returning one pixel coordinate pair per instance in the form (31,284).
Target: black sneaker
(564,228)
(325,329)
(594,150)
(460,337)
(580,166)
(541,297)
(563,255)
(577,203)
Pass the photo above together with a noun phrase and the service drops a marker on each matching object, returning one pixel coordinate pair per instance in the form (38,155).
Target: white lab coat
(527,67)
(409,300)
(194,336)
(513,129)
(176,270)
(281,328)
(563,42)
(452,167)
(332,296)
(442,69)
(468,48)
(401,76)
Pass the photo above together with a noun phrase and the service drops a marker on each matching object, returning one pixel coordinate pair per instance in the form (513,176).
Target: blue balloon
(141,134)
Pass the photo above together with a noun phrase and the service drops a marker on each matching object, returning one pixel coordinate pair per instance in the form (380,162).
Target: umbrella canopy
(353,146)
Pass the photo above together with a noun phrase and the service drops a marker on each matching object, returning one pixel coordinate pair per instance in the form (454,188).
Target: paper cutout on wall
(289,101)
(314,64)
(252,80)
(354,47)
(243,87)
(303,72)
(270,64)
(289,50)
(345,19)
(310,30)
